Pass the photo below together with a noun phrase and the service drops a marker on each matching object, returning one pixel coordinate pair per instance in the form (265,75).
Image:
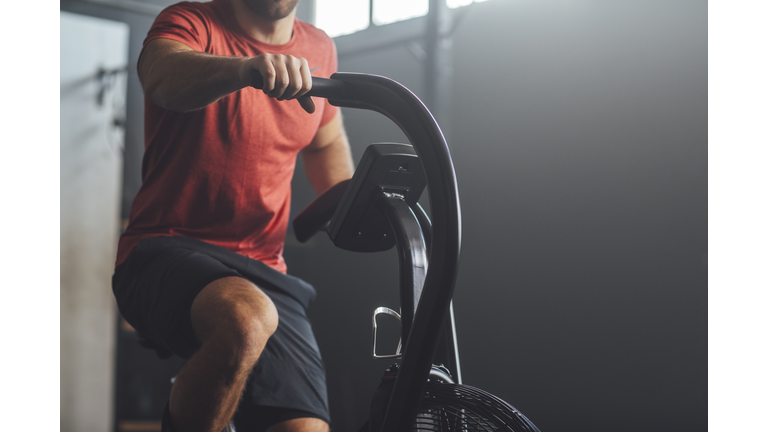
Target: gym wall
(580,144)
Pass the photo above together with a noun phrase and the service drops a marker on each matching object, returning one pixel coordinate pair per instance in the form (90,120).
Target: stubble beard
(272,10)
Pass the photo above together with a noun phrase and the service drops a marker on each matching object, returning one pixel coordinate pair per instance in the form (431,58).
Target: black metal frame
(402,107)
(411,252)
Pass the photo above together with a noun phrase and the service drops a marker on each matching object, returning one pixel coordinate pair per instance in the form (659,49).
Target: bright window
(340,17)
(389,11)
(453,4)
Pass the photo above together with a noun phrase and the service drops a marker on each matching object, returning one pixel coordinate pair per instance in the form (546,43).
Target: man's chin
(272,10)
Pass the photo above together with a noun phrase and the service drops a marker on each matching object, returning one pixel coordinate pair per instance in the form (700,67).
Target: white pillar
(91,165)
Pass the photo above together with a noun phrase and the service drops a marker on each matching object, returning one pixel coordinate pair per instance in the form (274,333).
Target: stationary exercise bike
(378,209)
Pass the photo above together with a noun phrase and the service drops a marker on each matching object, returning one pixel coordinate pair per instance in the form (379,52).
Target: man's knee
(236,312)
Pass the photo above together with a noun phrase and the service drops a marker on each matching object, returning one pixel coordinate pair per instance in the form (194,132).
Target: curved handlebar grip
(321,87)
(319,212)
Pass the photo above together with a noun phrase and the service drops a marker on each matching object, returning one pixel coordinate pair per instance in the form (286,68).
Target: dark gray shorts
(156,285)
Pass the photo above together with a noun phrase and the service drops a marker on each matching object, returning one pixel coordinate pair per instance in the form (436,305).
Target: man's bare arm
(328,160)
(179,78)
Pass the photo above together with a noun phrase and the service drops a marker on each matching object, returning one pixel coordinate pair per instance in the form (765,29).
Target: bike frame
(400,105)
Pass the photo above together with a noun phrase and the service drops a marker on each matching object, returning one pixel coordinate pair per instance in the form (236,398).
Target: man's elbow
(150,83)
(157,86)
(161,95)
(150,88)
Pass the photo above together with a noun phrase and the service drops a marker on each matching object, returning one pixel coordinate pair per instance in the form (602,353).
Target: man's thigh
(157,285)
(155,288)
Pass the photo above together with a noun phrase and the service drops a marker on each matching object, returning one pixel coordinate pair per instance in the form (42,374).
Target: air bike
(378,209)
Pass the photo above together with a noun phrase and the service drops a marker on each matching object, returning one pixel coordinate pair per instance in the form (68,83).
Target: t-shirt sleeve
(183,22)
(330,111)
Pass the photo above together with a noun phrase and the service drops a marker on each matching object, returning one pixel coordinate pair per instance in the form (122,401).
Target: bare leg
(308,424)
(233,319)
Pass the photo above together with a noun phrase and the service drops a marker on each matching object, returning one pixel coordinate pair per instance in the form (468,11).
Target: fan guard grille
(462,408)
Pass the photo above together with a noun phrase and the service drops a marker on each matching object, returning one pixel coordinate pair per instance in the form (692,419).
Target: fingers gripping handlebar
(321,87)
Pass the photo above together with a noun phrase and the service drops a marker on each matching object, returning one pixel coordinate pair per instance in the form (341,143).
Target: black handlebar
(400,105)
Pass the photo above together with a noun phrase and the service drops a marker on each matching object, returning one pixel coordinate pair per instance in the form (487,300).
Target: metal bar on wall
(128,5)
(438,64)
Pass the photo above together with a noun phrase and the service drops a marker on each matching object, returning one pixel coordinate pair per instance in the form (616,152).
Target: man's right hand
(285,77)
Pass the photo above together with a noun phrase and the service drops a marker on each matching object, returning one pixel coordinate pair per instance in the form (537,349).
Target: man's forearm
(329,165)
(185,80)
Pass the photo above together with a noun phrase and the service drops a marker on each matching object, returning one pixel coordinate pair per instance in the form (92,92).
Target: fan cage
(462,408)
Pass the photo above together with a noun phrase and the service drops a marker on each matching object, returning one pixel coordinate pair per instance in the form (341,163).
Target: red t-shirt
(222,174)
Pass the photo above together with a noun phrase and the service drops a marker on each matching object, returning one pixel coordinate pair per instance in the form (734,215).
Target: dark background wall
(580,144)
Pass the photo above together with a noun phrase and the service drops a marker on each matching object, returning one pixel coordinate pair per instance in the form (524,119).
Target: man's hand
(285,77)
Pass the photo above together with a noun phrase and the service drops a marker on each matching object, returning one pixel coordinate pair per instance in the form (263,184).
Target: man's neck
(272,32)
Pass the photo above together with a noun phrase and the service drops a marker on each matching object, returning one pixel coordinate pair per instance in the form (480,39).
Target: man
(199,269)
